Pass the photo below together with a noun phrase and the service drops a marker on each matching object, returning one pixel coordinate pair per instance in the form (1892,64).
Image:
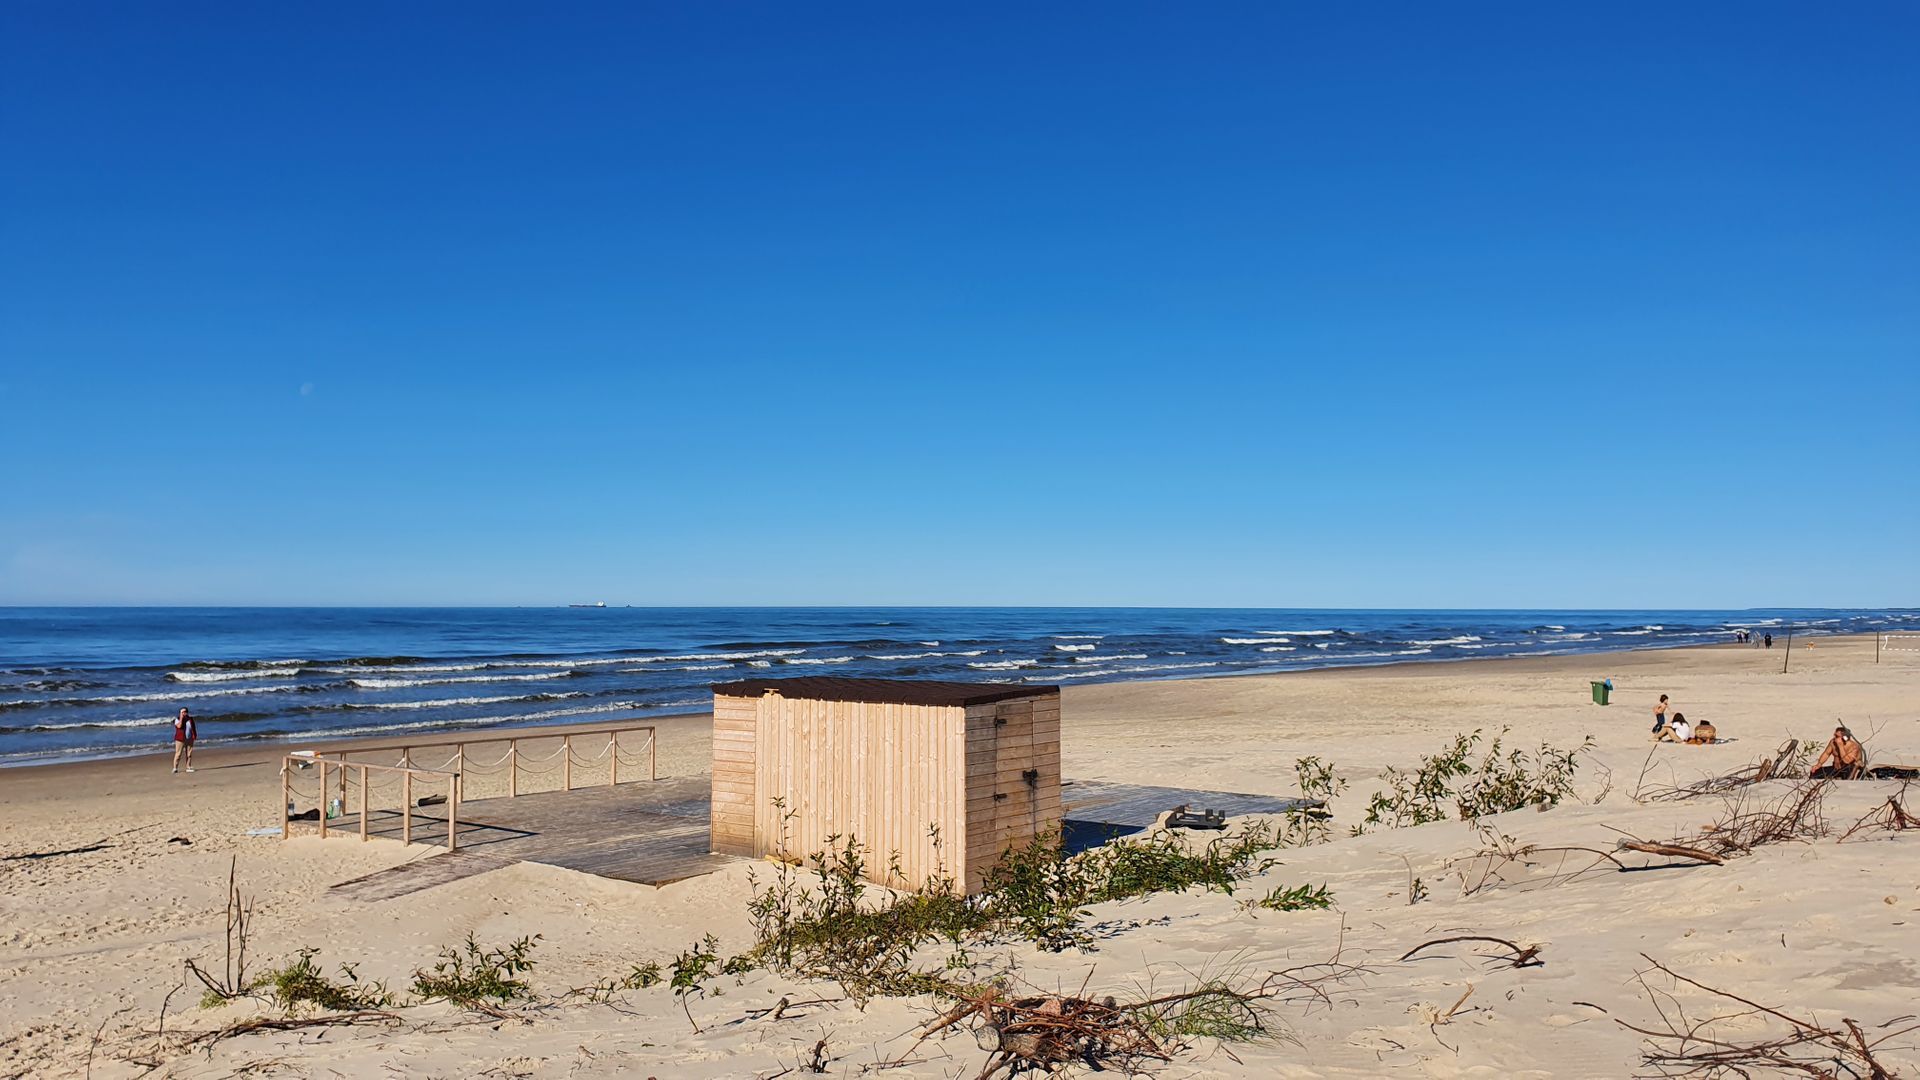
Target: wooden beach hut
(945,775)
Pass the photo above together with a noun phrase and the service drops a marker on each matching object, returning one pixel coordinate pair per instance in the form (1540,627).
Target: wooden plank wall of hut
(1006,807)
(735,722)
(888,775)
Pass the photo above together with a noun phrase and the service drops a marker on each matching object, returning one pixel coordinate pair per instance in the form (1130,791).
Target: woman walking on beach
(184,732)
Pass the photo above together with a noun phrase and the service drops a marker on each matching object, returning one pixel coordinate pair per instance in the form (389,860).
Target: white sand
(93,941)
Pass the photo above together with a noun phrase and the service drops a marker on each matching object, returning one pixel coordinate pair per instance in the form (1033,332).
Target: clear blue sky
(1308,305)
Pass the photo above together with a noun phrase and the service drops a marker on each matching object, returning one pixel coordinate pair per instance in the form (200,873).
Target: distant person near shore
(1769,641)
(1659,715)
(1846,753)
(185,731)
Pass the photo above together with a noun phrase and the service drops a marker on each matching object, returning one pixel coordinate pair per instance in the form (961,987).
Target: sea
(101,682)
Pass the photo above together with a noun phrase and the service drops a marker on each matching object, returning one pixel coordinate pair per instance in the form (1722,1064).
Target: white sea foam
(693,667)
(1073,648)
(1279,648)
(1302,633)
(449,703)
(411,669)
(1078,637)
(930,644)
(1056,676)
(153,721)
(1171,667)
(394,684)
(1460,640)
(175,695)
(818,659)
(1249,640)
(1003,665)
(1104,659)
(753,654)
(903,656)
(230,676)
(759,663)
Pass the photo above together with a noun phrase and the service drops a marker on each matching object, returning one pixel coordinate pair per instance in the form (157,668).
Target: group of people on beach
(1677,729)
(1745,637)
(1843,759)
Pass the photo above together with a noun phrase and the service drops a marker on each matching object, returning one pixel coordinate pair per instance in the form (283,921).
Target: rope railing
(347,769)
(460,767)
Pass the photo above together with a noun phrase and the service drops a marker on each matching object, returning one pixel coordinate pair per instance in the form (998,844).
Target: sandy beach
(100,905)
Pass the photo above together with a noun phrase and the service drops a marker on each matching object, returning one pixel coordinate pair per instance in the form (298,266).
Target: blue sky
(1412,305)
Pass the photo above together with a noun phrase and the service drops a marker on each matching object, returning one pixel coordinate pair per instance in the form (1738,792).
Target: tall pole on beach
(1787,658)
(1876,646)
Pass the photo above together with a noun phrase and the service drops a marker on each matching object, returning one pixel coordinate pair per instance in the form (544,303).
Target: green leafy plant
(302,982)
(1460,781)
(476,978)
(1297,898)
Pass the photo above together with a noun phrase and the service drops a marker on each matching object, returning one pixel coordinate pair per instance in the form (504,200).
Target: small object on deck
(178,840)
(1182,818)
(305,815)
(431,800)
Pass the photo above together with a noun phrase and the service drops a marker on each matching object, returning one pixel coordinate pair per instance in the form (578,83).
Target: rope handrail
(532,733)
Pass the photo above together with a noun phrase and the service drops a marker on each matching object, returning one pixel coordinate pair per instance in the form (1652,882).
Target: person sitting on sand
(1677,730)
(1848,756)
(184,732)
(1704,733)
(1660,716)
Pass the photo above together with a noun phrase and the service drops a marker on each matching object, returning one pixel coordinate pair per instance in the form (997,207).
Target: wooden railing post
(513,772)
(613,759)
(566,763)
(453,810)
(459,757)
(323,798)
(406,807)
(653,748)
(363,804)
(286,824)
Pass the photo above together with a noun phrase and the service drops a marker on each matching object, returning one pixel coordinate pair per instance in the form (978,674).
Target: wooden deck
(649,832)
(656,833)
(1098,811)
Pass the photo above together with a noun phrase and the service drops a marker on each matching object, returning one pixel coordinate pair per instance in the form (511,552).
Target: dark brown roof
(882,691)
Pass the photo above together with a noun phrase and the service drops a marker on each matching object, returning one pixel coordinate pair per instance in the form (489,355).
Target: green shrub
(473,977)
(1459,781)
(302,982)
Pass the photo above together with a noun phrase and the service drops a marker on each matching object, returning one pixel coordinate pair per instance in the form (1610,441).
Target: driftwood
(1522,957)
(1889,816)
(1671,851)
(290,1023)
(1680,1046)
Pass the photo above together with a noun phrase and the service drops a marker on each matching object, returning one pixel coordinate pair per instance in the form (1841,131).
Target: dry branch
(1522,957)
(1680,1047)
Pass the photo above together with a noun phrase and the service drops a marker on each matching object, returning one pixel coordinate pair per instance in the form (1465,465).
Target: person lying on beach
(184,732)
(1703,733)
(1846,753)
(1676,731)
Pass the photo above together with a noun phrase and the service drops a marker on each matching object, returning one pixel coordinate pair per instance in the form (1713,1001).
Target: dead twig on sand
(233,981)
(1796,815)
(1889,816)
(1522,957)
(1671,851)
(288,1023)
(1680,1047)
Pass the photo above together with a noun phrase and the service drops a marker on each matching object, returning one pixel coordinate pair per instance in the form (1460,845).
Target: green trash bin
(1600,692)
